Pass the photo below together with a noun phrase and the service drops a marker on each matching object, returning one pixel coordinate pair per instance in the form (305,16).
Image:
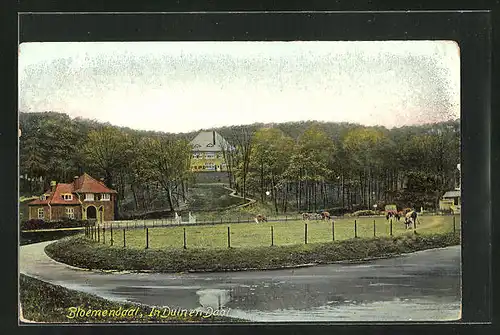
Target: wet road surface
(422,286)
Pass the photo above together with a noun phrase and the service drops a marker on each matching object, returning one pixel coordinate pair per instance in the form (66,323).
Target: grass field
(247,235)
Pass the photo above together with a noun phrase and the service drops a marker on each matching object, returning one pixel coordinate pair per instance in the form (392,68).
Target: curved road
(422,286)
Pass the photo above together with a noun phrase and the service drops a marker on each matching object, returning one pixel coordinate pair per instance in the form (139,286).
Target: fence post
(228,237)
(185,247)
(333,230)
(147,238)
(454,227)
(305,233)
(286,218)
(391,227)
(98,234)
(103,235)
(374,229)
(272,236)
(111,232)
(124,237)
(355,229)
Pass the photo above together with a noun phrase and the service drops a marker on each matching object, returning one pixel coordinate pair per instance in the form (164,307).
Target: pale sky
(186,86)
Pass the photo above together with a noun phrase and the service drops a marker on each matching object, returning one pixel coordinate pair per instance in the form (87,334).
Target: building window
(41,214)
(105,197)
(209,155)
(210,166)
(70,212)
(89,196)
(67,196)
(44,197)
(196,155)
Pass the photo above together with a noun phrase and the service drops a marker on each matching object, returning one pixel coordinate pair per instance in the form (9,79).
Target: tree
(269,160)
(241,137)
(167,162)
(310,164)
(368,149)
(106,153)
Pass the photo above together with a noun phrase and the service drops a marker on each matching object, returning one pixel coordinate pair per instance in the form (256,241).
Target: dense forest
(293,166)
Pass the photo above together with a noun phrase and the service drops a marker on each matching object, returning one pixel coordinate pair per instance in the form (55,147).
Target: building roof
(82,184)
(204,141)
(87,184)
(452,194)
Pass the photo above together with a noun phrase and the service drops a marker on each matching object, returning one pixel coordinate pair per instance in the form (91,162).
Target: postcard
(232,182)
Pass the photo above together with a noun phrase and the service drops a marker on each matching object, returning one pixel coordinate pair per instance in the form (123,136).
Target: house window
(44,197)
(210,166)
(67,196)
(105,197)
(70,212)
(41,214)
(196,155)
(209,155)
(89,196)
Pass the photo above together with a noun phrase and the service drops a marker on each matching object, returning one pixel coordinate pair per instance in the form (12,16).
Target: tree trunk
(136,204)
(262,182)
(343,190)
(169,199)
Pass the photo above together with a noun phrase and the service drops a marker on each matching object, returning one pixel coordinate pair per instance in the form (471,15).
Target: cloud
(184,86)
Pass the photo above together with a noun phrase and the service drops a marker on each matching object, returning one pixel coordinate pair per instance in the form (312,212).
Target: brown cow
(260,218)
(306,216)
(325,216)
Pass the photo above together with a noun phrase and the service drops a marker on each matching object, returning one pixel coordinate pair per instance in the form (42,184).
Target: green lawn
(259,235)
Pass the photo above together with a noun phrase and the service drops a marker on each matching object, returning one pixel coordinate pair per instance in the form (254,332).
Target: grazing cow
(397,216)
(325,216)
(306,216)
(317,216)
(411,217)
(407,222)
(414,216)
(260,218)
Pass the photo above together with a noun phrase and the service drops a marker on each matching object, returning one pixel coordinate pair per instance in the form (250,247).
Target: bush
(35,224)
(366,212)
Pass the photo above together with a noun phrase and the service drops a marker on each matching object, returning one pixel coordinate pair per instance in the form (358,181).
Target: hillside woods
(293,166)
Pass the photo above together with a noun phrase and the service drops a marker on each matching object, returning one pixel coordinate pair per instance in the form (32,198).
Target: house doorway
(91,213)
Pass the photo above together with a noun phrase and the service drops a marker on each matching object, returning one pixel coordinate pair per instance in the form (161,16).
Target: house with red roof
(85,198)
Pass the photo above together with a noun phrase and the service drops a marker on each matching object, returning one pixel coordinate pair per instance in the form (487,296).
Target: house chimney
(102,181)
(213,133)
(53,185)
(75,181)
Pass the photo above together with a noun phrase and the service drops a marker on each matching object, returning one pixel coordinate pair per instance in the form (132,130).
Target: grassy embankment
(43,302)
(207,246)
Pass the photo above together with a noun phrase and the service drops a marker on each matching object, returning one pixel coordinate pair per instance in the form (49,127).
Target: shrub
(35,224)
(366,212)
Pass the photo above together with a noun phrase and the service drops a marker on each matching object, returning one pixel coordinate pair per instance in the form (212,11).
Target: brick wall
(59,212)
